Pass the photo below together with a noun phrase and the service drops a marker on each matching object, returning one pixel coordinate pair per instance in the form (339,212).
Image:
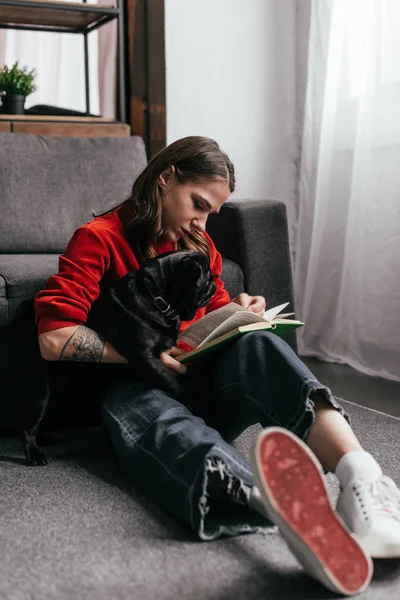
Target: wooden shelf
(69,17)
(56,118)
(48,15)
(61,126)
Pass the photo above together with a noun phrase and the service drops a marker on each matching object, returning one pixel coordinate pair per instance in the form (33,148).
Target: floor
(354,386)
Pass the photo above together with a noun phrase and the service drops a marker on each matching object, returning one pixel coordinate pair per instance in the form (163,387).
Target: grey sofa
(49,186)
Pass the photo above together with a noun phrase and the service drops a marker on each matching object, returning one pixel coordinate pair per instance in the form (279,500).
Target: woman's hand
(255,304)
(169,361)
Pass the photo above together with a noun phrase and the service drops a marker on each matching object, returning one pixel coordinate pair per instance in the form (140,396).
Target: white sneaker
(292,485)
(372,512)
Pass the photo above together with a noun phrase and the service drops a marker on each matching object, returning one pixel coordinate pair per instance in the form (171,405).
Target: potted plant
(15,85)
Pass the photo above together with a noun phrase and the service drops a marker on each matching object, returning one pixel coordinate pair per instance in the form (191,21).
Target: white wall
(230,75)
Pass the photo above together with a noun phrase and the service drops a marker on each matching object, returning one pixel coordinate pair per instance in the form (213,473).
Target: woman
(182,457)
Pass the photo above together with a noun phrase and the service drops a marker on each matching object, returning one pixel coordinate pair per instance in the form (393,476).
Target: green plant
(17,80)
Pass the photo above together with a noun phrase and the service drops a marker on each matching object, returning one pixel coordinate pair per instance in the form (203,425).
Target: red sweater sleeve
(69,294)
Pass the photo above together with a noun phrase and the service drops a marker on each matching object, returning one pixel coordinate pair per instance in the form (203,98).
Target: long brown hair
(196,159)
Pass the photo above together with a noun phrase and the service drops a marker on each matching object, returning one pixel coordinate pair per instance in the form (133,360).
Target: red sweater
(98,254)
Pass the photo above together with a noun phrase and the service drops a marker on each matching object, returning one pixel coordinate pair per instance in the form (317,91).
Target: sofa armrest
(254,234)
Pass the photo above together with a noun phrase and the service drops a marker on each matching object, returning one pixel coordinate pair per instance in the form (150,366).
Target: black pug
(140,317)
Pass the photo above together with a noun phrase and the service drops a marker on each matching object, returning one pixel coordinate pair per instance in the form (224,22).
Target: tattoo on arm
(84,345)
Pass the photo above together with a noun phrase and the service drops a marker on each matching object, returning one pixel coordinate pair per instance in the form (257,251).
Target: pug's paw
(35,457)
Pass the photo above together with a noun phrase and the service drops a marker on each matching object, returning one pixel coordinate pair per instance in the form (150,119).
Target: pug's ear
(190,269)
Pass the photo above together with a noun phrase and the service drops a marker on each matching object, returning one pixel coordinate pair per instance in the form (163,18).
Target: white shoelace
(380,498)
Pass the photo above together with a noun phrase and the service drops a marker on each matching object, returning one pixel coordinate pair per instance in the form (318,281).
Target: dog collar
(164,307)
(161,304)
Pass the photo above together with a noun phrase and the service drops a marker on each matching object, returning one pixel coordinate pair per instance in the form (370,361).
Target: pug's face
(186,280)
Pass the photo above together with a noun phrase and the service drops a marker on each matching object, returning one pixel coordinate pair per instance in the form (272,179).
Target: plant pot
(13,104)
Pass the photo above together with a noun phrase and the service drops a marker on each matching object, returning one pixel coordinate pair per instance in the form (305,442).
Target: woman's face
(185,207)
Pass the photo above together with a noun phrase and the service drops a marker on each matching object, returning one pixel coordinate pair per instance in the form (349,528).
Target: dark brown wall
(146,72)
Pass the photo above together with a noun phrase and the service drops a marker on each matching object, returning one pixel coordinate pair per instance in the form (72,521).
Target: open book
(228,322)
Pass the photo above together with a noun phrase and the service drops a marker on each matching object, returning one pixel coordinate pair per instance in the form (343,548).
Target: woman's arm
(77,343)
(80,343)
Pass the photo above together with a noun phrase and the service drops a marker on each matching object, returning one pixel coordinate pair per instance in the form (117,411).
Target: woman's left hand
(255,304)
(169,361)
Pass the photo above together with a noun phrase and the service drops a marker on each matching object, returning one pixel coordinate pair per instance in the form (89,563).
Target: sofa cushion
(232,275)
(49,186)
(23,275)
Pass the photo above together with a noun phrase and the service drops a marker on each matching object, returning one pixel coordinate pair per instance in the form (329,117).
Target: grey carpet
(78,530)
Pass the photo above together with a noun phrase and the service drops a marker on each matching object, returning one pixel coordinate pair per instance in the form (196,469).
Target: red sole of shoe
(295,488)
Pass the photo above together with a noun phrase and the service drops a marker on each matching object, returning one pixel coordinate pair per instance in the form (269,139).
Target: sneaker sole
(293,488)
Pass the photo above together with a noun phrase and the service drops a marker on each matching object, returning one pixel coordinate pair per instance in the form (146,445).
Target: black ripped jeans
(174,449)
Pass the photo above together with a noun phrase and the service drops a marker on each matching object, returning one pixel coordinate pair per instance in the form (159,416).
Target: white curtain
(2,45)
(347,248)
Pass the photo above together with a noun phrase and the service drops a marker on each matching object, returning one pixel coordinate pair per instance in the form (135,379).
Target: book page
(201,329)
(271,313)
(237,319)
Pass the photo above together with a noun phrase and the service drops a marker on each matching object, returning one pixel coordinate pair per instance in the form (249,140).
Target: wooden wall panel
(5,127)
(156,74)
(146,72)
(136,69)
